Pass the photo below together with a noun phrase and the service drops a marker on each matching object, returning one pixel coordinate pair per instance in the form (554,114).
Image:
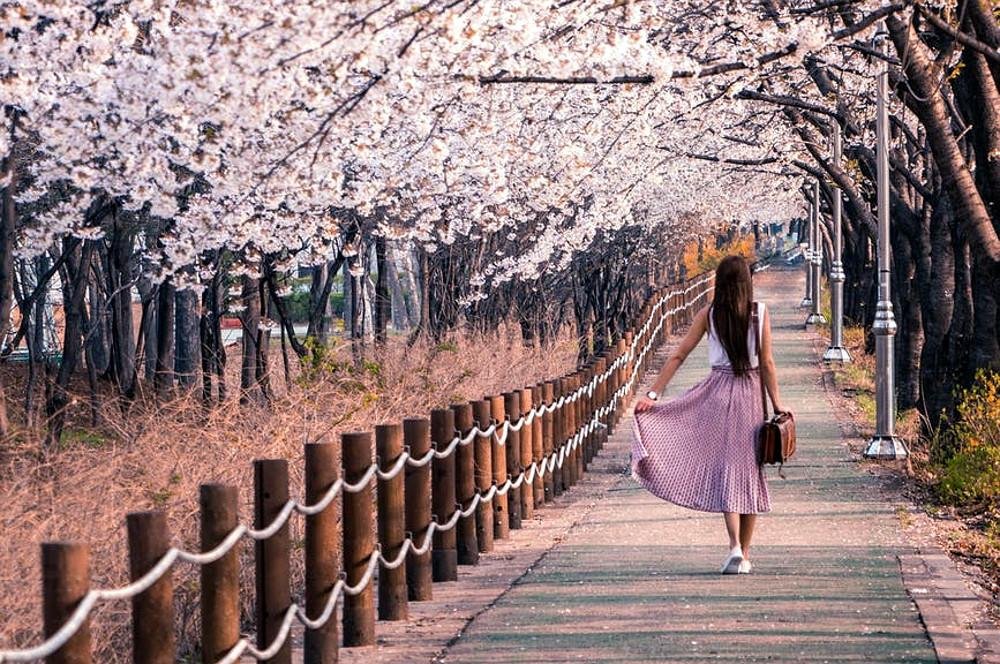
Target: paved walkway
(637,579)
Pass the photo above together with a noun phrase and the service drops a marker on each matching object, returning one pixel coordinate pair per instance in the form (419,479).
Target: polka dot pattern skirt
(699,449)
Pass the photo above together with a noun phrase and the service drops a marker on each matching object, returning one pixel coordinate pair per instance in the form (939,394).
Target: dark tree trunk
(188,360)
(320,284)
(163,377)
(118,277)
(909,336)
(403,315)
(8,220)
(150,304)
(35,336)
(99,327)
(250,322)
(938,302)
(985,346)
(319,292)
(960,335)
(263,368)
(213,352)
(347,286)
(58,394)
(383,301)
(932,111)
(423,327)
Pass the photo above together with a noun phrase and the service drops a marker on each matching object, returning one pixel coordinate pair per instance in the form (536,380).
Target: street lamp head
(880,38)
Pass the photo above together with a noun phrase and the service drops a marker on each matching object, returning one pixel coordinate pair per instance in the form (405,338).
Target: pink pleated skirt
(698,450)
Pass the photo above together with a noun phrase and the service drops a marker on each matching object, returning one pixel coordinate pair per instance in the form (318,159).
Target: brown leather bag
(776,438)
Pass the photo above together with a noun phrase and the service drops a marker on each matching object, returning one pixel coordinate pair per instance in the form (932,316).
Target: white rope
(295,612)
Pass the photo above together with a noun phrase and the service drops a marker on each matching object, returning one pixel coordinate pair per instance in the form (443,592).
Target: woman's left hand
(644,404)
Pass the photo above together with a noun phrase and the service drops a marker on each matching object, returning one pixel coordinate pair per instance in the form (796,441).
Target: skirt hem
(691,506)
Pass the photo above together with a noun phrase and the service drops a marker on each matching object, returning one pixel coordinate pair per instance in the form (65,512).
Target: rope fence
(448,487)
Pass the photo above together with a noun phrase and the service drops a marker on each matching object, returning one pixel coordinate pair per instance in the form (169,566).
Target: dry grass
(154,456)
(856,380)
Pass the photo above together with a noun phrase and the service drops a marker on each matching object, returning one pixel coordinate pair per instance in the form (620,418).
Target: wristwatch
(653,395)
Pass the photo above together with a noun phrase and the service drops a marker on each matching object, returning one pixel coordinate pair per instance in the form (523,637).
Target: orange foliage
(710,257)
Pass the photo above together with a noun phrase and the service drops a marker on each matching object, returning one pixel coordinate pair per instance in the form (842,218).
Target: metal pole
(837,352)
(884,444)
(807,258)
(816,316)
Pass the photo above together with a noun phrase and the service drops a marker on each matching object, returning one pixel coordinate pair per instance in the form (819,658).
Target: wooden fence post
(417,437)
(547,445)
(622,379)
(588,411)
(667,309)
(538,444)
(484,475)
(672,318)
(596,402)
(630,366)
(611,388)
(512,404)
(65,581)
(640,344)
(558,437)
(392,593)
(359,540)
(588,439)
(501,504)
(444,560)
(653,336)
(577,416)
(602,399)
(569,432)
(465,487)
(569,470)
(524,461)
(322,553)
(615,386)
(562,416)
(675,303)
(152,609)
(271,555)
(220,581)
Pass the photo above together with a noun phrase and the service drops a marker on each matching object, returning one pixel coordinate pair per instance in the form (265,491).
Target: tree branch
(958,35)
(503,77)
(785,100)
(763,161)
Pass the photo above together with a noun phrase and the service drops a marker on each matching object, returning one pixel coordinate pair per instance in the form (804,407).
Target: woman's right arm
(768,371)
(690,341)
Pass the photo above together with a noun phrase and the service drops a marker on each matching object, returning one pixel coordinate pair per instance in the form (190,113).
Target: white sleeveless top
(717,356)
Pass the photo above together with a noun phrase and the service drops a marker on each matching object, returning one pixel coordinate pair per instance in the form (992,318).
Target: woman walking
(699,450)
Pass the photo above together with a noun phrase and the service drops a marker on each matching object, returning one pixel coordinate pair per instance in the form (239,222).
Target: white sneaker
(745,567)
(733,562)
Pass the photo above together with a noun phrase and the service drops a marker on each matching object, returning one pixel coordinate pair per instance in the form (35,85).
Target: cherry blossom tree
(200,153)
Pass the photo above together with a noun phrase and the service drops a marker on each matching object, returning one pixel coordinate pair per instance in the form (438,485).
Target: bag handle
(756,334)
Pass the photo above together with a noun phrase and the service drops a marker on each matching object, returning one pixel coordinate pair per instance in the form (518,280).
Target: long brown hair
(731,310)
